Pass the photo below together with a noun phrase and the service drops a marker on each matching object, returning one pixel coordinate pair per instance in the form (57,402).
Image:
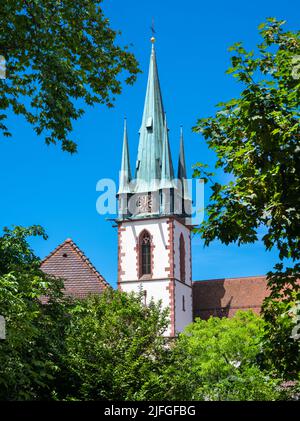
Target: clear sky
(43,185)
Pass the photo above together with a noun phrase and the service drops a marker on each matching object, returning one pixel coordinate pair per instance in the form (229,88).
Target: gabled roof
(80,276)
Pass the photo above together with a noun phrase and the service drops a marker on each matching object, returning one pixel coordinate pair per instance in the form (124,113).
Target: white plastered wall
(183,318)
(158,228)
(156,290)
(156,287)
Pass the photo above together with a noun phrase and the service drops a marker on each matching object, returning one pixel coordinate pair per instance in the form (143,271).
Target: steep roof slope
(81,278)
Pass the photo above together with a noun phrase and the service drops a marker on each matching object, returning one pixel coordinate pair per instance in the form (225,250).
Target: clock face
(144,203)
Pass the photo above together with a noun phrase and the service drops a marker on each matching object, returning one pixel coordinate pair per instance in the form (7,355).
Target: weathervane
(153,31)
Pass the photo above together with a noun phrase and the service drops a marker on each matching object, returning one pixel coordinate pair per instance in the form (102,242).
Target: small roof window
(149,123)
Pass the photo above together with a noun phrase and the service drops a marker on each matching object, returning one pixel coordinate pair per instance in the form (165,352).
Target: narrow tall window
(183,303)
(145,254)
(182,258)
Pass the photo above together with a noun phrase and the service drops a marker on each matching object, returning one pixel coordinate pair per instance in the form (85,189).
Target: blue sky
(43,185)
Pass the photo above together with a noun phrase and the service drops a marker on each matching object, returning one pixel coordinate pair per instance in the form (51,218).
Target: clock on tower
(144,203)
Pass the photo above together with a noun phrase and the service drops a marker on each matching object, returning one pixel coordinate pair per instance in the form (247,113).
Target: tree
(107,346)
(111,346)
(59,54)
(281,345)
(218,359)
(115,347)
(256,139)
(29,359)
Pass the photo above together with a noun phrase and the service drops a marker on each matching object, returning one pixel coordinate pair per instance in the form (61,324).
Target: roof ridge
(55,250)
(87,260)
(81,255)
(231,279)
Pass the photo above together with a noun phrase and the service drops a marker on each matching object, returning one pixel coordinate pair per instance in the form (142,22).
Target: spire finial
(152,39)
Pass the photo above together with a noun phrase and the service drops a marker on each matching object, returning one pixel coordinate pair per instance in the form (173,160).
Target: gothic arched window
(182,258)
(145,253)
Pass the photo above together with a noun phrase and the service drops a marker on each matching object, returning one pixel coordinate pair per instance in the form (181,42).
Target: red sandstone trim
(171,247)
(150,218)
(191,276)
(182,258)
(138,251)
(171,287)
(146,279)
(120,255)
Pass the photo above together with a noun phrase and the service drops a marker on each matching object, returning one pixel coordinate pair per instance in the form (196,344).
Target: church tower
(154,238)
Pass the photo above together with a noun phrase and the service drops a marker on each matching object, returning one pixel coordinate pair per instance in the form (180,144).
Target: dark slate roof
(223,297)
(81,278)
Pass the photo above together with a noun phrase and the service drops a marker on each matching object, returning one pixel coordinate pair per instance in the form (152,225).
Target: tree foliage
(281,340)
(102,347)
(218,359)
(29,358)
(111,346)
(256,140)
(115,345)
(57,52)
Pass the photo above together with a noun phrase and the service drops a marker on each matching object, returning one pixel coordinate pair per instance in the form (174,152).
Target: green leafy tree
(111,346)
(218,359)
(256,140)
(114,346)
(281,342)
(30,354)
(58,52)
(107,346)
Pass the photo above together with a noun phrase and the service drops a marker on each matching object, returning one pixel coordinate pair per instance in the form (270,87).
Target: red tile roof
(223,297)
(81,278)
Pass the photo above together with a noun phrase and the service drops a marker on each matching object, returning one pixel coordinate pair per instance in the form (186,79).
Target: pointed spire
(125,173)
(148,166)
(167,172)
(182,178)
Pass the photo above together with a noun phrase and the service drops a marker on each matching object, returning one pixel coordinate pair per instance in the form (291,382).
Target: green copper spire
(167,172)
(182,178)
(148,165)
(125,174)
